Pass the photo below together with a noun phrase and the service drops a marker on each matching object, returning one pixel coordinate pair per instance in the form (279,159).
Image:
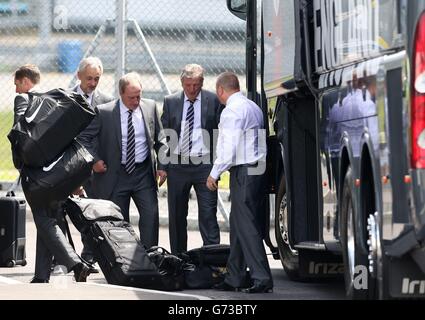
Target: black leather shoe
(37,280)
(258,288)
(93,269)
(81,271)
(223,286)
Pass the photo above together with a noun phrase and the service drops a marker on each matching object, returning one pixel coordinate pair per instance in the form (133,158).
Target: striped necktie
(130,164)
(186,145)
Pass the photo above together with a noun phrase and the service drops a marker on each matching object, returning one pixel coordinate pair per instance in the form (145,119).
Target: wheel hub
(283,223)
(373,243)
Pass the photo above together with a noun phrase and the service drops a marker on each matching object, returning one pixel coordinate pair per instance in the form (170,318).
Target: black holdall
(56,181)
(205,266)
(170,267)
(212,255)
(125,261)
(202,277)
(50,123)
(84,212)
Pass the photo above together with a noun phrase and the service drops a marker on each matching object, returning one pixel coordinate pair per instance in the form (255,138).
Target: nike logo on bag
(46,169)
(31,119)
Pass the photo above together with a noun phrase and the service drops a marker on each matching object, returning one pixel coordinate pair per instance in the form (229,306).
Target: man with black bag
(50,238)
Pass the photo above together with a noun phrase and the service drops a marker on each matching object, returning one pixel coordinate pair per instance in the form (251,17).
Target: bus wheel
(288,256)
(354,265)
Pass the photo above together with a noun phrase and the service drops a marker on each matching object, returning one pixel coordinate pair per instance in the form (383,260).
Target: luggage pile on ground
(126,261)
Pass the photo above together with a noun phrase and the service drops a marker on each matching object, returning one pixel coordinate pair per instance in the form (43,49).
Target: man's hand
(99,167)
(79,191)
(212,184)
(162,176)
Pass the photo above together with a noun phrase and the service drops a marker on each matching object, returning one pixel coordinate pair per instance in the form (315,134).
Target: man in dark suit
(123,139)
(50,239)
(189,118)
(90,70)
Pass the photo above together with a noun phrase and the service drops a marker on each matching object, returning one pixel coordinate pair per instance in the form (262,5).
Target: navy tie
(130,164)
(186,145)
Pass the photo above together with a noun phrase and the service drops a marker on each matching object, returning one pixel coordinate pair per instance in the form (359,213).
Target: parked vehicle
(343,89)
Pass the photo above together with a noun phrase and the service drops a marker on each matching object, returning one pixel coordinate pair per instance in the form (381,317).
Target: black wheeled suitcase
(124,260)
(12,231)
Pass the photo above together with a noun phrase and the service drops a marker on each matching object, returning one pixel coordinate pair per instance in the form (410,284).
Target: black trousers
(141,187)
(180,179)
(51,240)
(246,241)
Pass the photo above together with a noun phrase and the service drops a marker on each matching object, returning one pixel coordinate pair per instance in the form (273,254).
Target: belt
(192,159)
(138,164)
(247,165)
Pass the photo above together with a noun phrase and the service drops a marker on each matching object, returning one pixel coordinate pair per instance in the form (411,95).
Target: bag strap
(157,248)
(68,232)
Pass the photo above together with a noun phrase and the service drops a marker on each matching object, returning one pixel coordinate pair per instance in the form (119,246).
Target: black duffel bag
(202,277)
(58,180)
(50,123)
(84,212)
(212,255)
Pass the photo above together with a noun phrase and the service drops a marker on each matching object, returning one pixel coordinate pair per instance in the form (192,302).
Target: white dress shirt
(90,98)
(198,147)
(241,137)
(142,148)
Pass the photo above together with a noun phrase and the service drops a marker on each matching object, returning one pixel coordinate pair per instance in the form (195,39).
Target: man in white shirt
(241,150)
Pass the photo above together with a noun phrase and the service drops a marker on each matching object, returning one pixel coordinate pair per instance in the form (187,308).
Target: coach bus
(342,84)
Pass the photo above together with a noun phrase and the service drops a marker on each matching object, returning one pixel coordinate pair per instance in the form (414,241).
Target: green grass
(7,170)
(224,181)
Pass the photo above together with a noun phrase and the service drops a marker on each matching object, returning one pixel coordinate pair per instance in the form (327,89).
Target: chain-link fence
(159,37)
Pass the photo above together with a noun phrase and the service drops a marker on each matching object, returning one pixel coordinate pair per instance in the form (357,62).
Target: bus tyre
(355,263)
(288,256)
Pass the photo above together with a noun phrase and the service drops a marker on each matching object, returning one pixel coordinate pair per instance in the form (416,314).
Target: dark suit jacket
(103,139)
(210,115)
(98,97)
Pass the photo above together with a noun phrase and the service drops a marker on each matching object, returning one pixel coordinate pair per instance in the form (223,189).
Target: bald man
(125,139)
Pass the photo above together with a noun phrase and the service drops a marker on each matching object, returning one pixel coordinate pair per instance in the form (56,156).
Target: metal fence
(153,37)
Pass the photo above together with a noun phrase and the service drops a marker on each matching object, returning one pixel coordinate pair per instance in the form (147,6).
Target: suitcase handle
(11,191)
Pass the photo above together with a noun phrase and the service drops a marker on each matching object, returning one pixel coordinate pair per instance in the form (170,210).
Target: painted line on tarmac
(5,280)
(146,290)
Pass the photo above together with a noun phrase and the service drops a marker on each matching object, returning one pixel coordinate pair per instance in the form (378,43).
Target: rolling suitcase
(12,230)
(124,260)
